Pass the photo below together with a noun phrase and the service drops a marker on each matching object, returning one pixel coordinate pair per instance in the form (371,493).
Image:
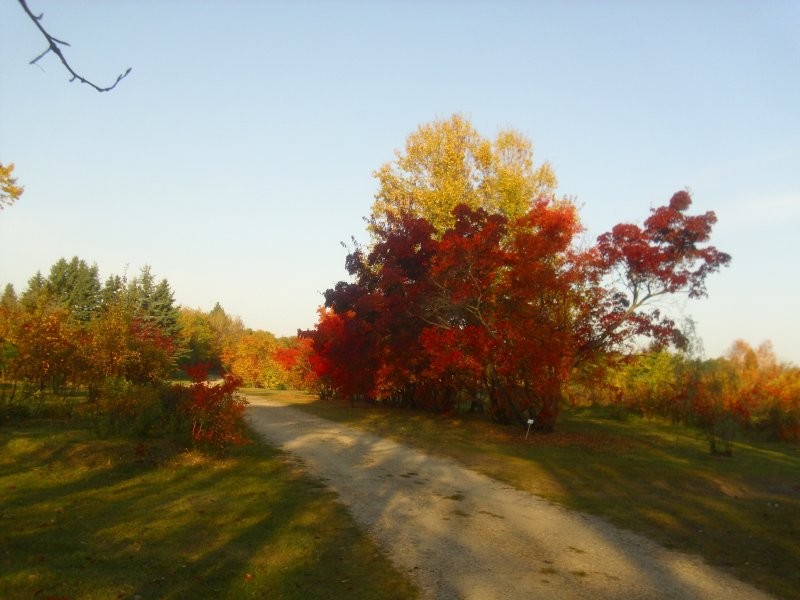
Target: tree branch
(53,46)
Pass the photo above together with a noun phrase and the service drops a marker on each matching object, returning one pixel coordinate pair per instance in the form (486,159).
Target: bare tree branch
(53,46)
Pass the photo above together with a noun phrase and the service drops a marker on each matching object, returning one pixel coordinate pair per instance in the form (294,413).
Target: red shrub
(216,411)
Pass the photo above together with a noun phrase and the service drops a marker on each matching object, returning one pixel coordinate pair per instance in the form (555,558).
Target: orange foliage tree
(293,355)
(251,357)
(748,389)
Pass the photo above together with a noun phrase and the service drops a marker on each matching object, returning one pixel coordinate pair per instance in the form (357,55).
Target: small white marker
(530,422)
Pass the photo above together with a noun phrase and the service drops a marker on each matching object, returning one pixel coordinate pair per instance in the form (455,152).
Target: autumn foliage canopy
(498,306)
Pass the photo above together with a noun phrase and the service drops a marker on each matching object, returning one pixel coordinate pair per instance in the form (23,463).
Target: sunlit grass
(85,518)
(741,513)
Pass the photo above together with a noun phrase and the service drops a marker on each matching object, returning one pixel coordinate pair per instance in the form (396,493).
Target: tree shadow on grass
(729,510)
(97,521)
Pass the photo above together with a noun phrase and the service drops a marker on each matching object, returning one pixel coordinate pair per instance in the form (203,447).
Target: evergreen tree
(9,300)
(36,296)
(140,293)
(76,286)
(112,291)
(163,309)
(154,303)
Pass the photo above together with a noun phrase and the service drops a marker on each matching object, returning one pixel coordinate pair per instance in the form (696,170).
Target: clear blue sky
(238,154)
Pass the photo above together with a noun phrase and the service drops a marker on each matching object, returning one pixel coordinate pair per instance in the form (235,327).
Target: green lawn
(85,518)
(741,513)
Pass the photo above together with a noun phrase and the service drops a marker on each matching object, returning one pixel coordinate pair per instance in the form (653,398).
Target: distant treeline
(68,331)
(747,390)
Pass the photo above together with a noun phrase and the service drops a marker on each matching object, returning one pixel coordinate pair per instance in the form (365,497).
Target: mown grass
(83,518)
(741,513)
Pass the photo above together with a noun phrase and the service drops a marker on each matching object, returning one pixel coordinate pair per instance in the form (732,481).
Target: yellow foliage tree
(447,162)
(203,342)
(9,190)
(252,359)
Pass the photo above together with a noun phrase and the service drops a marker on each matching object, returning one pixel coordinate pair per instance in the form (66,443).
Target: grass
(741,513)
(82,518)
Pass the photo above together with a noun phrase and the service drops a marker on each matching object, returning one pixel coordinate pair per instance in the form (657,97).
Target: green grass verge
(85,518)
(741,513)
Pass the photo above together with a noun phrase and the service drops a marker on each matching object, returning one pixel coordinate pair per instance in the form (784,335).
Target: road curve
(461,535)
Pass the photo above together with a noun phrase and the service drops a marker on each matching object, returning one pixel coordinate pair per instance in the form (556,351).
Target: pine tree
(76,286)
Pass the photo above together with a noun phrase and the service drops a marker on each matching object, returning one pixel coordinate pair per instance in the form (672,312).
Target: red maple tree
(502,311)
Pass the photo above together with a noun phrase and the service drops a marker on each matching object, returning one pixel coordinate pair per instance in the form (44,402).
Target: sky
(237,156)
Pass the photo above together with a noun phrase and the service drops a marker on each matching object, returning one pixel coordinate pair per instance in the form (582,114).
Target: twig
(53,46)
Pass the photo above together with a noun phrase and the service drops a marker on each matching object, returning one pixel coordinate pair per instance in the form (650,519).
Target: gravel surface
(459,534)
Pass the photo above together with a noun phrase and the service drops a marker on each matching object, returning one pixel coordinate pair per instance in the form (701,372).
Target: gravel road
(459,534)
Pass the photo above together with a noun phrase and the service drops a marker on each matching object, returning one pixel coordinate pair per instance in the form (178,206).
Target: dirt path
(459,534)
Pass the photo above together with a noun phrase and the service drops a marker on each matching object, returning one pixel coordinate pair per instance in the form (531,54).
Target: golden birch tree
(447,162)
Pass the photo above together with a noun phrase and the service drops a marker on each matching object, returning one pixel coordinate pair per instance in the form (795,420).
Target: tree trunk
(502,404)
(551,406)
